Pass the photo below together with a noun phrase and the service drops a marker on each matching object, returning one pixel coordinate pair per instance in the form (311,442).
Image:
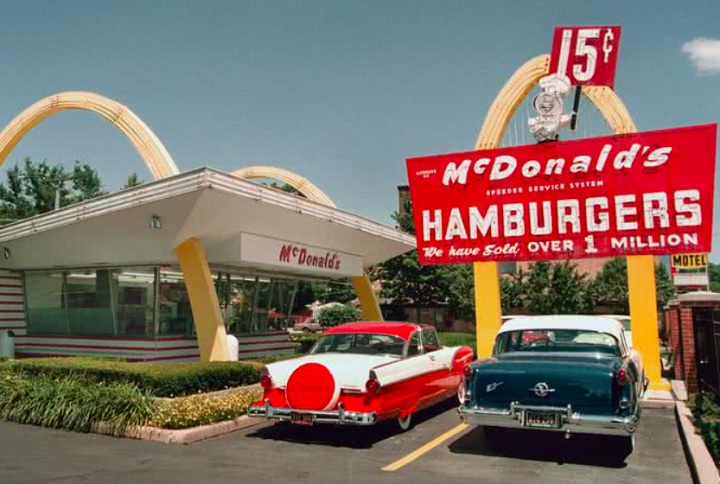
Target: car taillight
(467,372)
(266,382)
(372,386)
(621,377)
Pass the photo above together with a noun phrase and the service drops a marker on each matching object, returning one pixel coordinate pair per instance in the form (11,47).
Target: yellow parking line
(424,449)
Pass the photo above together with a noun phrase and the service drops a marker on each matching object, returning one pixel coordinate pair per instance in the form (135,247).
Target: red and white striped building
(101,277)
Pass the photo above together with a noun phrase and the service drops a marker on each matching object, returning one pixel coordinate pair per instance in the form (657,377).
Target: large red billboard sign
(642,193)
(586,55)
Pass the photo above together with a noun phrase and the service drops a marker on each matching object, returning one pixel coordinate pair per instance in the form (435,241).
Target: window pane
(46,311)
(242,297)
(89,308)
(174,304)
(135,301)
(281,304)
(259,320)
(430,341)
(413,346)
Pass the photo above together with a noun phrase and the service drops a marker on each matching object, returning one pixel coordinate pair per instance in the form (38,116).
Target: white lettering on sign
(285,254)
(503,166)
(566,218)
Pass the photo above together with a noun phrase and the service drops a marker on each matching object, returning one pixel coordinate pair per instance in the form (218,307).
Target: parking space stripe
(424,449)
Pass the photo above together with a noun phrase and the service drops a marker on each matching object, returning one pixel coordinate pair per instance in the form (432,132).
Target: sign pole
(643,313)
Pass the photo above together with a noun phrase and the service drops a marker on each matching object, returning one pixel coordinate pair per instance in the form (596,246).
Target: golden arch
(299,183)
(148,145)
(361,284)
(641,269)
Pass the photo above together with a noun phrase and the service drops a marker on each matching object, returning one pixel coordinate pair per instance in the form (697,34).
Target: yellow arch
(140,135)
(362,285)
(641,269)
(299,183)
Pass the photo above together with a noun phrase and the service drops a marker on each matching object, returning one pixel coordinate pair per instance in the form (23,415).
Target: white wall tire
(461,392)
(405,422)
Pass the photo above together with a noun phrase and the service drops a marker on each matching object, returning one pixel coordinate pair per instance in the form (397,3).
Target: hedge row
(72,403)
(159,380)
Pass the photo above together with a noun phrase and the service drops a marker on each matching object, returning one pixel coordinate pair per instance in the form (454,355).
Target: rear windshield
(556,340)
(360,343)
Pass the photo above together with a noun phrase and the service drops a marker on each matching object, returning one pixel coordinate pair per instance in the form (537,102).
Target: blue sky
(341,92)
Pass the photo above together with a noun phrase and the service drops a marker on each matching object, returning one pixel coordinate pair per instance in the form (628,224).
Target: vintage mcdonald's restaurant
(166,270)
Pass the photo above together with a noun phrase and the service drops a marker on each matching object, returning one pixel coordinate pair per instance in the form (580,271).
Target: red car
(364,373)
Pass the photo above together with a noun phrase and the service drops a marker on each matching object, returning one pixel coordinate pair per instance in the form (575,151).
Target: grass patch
(459,339)
(158,379)
(72,403)
(192,411)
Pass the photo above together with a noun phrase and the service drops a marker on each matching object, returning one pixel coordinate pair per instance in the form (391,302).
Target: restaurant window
(46,309)
(281,303)
(89,300)
(134,295)
(241,300)
(175,314)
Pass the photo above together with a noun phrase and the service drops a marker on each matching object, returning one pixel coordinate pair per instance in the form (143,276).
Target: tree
(132,181)
(714,273)
(35,188)
(405,281)
(556,288)
(664,287)
(610,287)
(334,315)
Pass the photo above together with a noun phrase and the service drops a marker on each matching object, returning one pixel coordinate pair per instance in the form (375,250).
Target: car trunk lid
(547,379)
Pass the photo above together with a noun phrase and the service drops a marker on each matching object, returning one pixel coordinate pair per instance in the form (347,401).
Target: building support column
(643,314)
(212,339)
(368,302)
(488,309)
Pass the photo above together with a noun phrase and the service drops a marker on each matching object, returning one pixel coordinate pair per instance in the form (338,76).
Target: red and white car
(363,373)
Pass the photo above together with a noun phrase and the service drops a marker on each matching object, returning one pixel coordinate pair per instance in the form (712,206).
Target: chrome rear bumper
(339,416)
(570,421)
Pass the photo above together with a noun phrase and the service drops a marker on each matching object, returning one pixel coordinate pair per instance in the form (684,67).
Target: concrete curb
(186,436)
(699,459)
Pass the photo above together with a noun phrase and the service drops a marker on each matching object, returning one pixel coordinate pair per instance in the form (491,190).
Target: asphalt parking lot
(270,454)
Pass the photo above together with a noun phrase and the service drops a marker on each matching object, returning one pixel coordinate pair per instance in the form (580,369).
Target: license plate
(302,418)
(541,419)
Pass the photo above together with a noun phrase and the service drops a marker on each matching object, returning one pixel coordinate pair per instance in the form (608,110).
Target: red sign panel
(586,55)
(642,193)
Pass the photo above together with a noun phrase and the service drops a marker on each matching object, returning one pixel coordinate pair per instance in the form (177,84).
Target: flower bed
(196,410)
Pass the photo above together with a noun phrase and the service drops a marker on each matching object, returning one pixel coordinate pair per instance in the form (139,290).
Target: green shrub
(159,379)
(273,358)
(459,339)
(72,403)
(306,341)
(710,431)
(184,412)
(334,315)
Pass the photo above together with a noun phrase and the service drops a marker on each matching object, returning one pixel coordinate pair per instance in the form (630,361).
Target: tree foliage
(714,273)
(405,281)
(556,288)
(334,315)
(34,188)
(132,181)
